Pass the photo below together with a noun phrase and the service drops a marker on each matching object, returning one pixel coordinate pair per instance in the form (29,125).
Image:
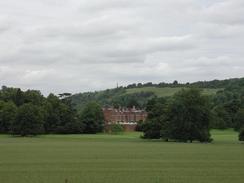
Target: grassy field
(120,159)
(166,91)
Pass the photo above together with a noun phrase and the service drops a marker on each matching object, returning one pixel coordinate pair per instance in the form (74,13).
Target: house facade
(127,117)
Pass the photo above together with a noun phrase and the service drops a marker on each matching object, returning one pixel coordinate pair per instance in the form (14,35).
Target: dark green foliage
(57,115)
(221,119)
(154,123)
(8,112)
(139,126)
(239,119)
(118,97)
(112,97)
(116,128)
(61,117)
(29,121)
(53,114)
(103,98)
(152,129)
(137,100)
(19,98)
(33,96)
(231,89)
(228,83)
(227,103)
(8,94)
(188,117)
(92,118)
(241,135)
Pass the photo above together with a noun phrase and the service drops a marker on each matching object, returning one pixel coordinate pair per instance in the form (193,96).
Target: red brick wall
(113,116)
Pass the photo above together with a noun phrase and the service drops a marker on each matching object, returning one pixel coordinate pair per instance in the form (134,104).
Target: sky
(86,45)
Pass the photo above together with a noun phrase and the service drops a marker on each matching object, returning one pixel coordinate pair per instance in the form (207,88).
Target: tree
(29,121)
(175,82)
(232,107)
(8,112)
(239,119)
(34,97)
(92,118)
(19,98)
(154,123)
(241,135)
(220,118)
(52,119)
(152,129)
(69,123)
(61,117)
(188,117)
(8,94)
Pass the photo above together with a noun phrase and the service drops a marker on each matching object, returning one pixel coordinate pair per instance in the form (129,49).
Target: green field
(120,158)
(165,91)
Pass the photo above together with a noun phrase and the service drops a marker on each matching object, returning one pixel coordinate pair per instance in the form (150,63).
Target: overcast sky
(86,45)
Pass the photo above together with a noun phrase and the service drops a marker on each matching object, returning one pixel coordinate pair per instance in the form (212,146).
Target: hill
(167,91)
(138,94)
(130,97)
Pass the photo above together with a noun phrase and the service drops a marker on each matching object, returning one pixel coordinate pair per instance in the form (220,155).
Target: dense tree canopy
(29,121)
(227,103)
(92,118)
(185,117)
(188,117)
(220,118)
(8,113)
(61,117)
(30,113)
(156,109)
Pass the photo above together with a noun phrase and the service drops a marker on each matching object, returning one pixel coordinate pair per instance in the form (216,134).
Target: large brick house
(127,117)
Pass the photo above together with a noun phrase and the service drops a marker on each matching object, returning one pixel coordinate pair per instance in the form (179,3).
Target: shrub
(139,126)
(116,128)
(241,135)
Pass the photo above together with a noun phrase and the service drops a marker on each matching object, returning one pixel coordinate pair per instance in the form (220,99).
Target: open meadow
(120,159)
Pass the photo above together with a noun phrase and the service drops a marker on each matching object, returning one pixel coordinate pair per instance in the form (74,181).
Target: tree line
(189,115)
(30,113)
(199,84)
(186,116)
(226,106)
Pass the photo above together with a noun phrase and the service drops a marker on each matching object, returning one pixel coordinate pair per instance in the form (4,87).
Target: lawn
(166,91)
(120,159)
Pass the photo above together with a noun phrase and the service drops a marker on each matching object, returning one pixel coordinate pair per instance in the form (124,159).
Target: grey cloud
(226,12)
(74,46)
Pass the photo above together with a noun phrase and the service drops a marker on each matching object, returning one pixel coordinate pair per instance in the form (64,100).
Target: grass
(120,159)
(166,91)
